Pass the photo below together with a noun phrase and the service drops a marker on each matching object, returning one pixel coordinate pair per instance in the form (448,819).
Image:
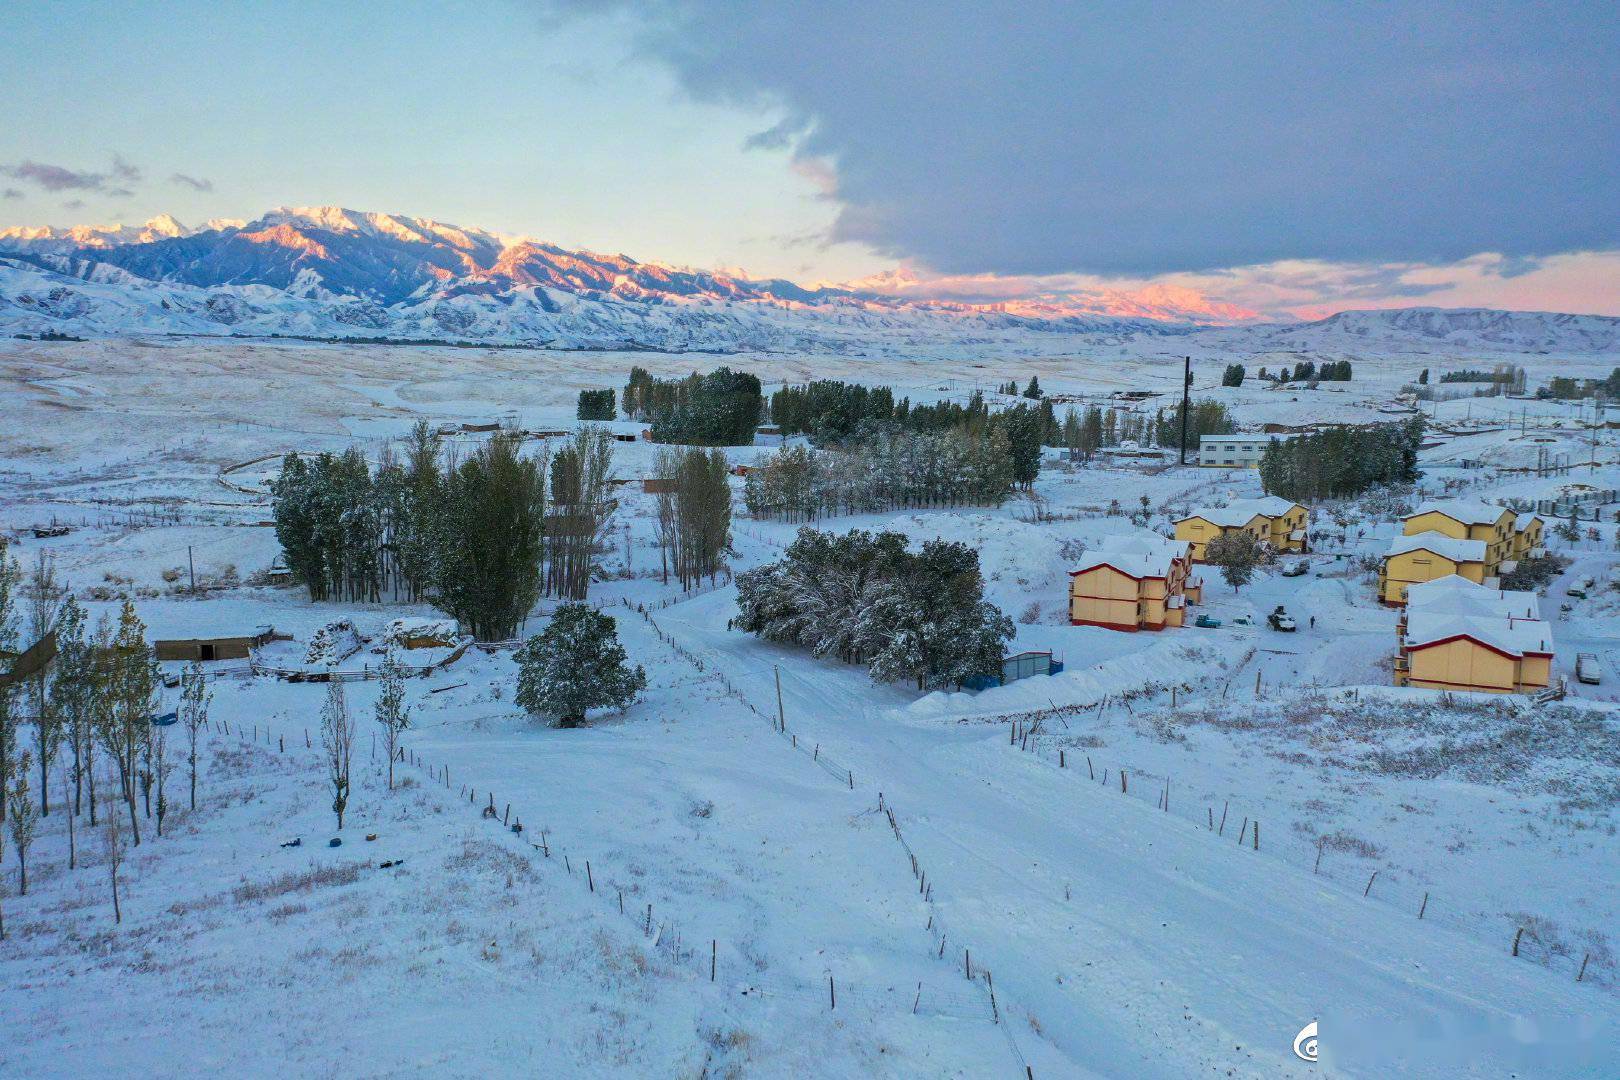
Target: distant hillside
(1423,329)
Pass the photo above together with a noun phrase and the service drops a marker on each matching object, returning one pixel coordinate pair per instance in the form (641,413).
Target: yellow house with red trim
(1272,521)
(1460,636)
(1133,583)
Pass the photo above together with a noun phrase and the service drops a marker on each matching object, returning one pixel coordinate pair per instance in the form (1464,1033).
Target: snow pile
(333,643)
(427,633)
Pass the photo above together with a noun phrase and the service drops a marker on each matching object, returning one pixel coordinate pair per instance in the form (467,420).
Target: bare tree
(194,700)
(581,482)
(24,820)
(337,738)
(73,838)
(9,577)
(112,847)
(162,766)
(393,712)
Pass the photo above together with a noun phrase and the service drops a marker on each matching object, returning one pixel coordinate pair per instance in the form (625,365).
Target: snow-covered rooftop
(1516,637)
(1450,547)
(1139,555)
(1242,511)
(1459,596)
(1467,511)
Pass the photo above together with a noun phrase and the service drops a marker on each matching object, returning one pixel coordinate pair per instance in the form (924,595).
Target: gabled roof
(1510,637)
(1136,555)
(1463,511)
(1458,551)
(1524,521)
(1456,595)
(1240,512)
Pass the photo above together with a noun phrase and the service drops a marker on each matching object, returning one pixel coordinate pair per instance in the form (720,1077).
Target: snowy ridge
(1434,329)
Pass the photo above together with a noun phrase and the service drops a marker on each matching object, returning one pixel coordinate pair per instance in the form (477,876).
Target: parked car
(1296,568)
(1242,620)
(1587,669)
(1576,591)
(1208,622)
(1281,620)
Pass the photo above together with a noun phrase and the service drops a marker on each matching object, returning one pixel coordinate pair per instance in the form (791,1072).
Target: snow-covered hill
(331,272)
(1434,329)
(328,272)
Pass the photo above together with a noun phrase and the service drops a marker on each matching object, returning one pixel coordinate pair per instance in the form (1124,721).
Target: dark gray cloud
(116,181)
(73,204)
(192,182)
(11,193)
(1124,139)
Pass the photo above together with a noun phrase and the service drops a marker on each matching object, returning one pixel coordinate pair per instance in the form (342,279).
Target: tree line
(720,408)
(865,598)
(693,513)
(887,469)
(1342,462)
(480,538)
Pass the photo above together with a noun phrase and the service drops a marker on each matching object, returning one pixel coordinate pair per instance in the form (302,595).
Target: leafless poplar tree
(112,848)
(194,701)
(337,738)
(24,820)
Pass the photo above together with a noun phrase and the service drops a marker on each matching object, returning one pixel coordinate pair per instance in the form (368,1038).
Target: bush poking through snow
(576,663)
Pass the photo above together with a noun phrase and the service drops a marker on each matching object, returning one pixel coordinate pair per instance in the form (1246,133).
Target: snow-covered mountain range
(328,272)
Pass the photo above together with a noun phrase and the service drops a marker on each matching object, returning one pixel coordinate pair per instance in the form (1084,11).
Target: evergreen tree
(1033,390)
(486,565)
(575,664)
(597,405)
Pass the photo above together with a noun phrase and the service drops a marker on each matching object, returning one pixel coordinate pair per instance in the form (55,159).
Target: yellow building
(1460,636)
(1133,583)
(1273,521)
(1412,560)
(1491,525)
(1527,537)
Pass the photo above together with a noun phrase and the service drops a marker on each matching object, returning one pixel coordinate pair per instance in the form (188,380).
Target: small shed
(228,647)
(1022,665)
(658,485)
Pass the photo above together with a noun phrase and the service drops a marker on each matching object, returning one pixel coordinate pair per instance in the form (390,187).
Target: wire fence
(669,936)
(1524,935)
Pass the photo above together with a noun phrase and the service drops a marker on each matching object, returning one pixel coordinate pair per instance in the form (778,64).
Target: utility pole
(1186,405)
(192,564)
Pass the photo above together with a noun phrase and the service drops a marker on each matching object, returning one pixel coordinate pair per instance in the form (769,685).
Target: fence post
(1425,906)
(1365,892)
(1516,938)
(714,953)
(589,880)
(832,993)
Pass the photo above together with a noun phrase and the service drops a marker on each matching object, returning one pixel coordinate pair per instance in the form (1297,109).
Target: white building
(1234,451)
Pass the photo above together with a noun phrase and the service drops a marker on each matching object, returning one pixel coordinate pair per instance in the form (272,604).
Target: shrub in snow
(576,663)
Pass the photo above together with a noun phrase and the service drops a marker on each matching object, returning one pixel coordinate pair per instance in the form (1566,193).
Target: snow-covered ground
(1119,936)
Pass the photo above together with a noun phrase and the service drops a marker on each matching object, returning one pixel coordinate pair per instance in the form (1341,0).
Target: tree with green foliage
(1033,390)
(864,598)
(129,684)
(1233,375)
(576,664)
(491,528)
(1423,377)
(1237,553)
(1342,462)
(597,405)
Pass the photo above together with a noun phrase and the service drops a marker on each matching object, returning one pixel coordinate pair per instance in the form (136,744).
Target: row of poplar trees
(90,710)
(481,537)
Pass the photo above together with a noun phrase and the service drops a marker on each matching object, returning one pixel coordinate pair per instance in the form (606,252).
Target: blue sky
(1279,155)
(481,114)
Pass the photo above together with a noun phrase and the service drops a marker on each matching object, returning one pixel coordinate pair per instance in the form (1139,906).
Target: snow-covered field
(1107,933)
